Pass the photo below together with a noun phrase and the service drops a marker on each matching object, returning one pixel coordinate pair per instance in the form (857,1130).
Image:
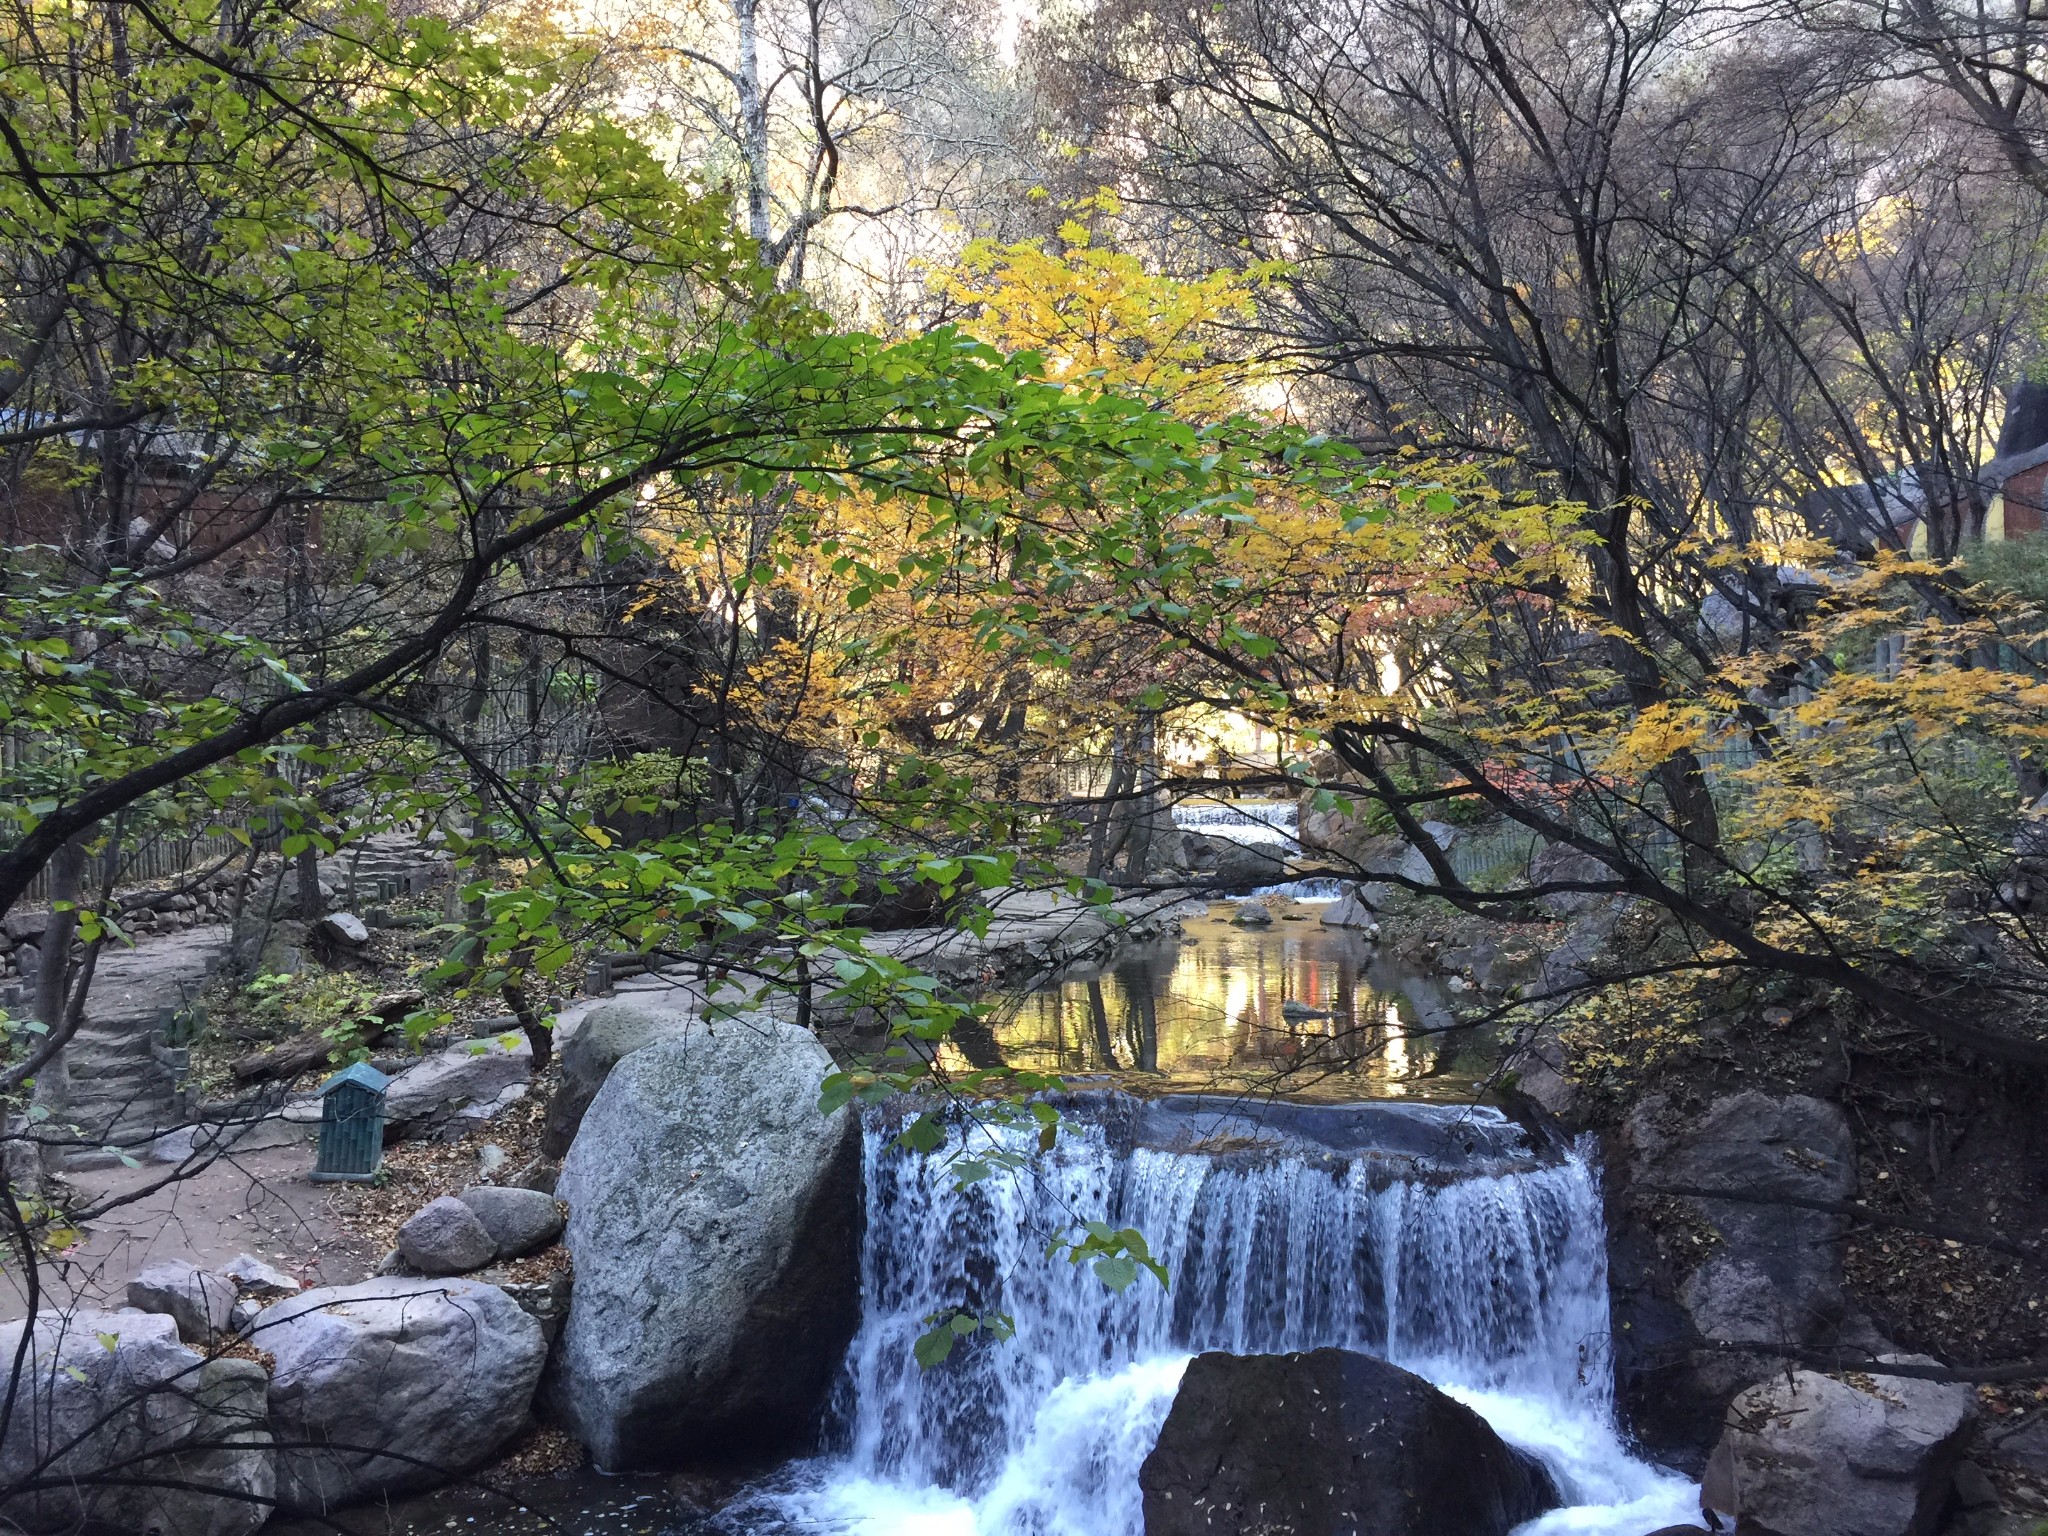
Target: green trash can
(351,1125)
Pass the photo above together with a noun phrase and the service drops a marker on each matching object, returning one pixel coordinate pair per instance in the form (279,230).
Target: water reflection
(1296,1006)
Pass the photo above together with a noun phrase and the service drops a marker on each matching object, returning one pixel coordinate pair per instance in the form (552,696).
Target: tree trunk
(53,974)
(753,123)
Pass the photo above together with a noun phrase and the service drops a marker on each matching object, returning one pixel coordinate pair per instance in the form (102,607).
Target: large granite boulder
(601,1041)
(1330,1443)
(446,1093)
(1717,1274)
(1810,1455)
(714,1224)
(110,1396)
(393,1385)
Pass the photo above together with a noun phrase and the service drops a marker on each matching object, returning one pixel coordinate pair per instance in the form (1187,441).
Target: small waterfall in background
(1263,823)
(1271,825)
(1432,1235)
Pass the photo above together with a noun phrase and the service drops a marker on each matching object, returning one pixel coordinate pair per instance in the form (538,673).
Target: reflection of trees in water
(1099,1017)
(1216,1008)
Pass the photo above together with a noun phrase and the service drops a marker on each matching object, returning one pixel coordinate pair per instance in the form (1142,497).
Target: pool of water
(1295,1007)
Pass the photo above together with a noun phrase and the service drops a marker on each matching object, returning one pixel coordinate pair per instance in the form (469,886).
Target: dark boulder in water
(1331,1443)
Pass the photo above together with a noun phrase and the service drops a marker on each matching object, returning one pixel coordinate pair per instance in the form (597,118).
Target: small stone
(490,1157)
(519,1220)
(1974,1488)
(1251,914)
(539,1173)
(1301,1013)
(343,928)
(445,1237)
(253,1277)
(201,1304)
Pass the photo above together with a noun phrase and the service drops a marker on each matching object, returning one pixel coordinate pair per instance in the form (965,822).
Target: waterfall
(1482,1269)
(1262,823)
(1268,825)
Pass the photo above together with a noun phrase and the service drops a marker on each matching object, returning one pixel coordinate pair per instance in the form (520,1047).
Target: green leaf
(1116,1271)
(835,1093)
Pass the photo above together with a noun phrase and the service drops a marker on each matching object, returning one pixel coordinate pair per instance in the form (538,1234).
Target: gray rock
(389,1386)
(1415,864)
(605,1036)
(537,1173)
(429,1097)
(518,1220)
(1296,1012)
(1734,1301)
(1974,1488)
(1326,1442)
(1351,910)
(1695,1324)
(1225,863)
(1559,862)
(148,1408)
(1251,914)
(1807,1455)
(253,1277)
(1333,831)
(714,1228)
(1574,961)
(1779,1266)
(199,1303)
(26,925)
(446,1237)
(343,928)
(1539,1062)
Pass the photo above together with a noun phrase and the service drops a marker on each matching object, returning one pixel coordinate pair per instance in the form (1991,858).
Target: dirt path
(259,1202)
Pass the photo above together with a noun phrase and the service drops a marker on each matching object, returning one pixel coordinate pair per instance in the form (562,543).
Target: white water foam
(1258,824)
(1490,1281)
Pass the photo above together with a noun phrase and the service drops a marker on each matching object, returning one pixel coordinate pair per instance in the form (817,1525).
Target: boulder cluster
(215,1396)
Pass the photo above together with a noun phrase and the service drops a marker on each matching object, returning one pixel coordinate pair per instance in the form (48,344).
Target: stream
(1295,1008)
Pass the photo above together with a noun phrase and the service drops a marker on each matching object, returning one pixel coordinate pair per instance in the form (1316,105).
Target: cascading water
(1271,825)
(1431,1235)
(1258,822)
